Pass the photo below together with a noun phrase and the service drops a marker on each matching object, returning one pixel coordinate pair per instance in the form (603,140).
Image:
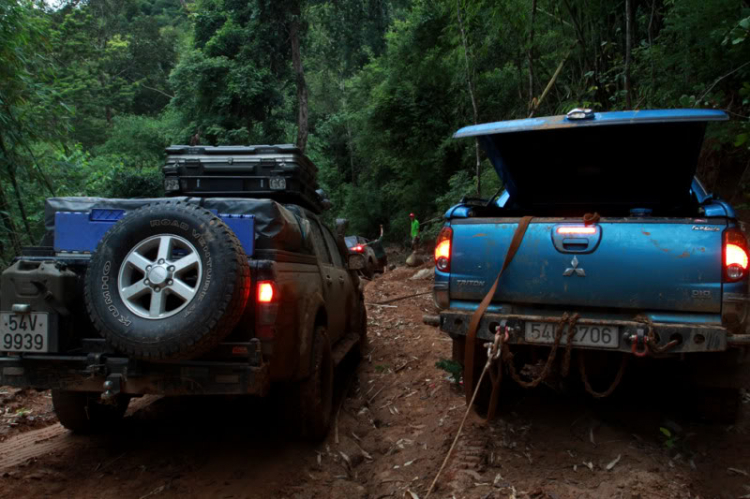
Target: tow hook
(112,386)
(509,330)
(505,329)
(639,338)
(95,364)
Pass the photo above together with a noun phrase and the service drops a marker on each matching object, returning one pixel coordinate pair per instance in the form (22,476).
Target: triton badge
(574,268)
(469,282)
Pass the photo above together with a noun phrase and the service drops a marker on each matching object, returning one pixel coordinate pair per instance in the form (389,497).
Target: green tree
(113,60)
(29,110)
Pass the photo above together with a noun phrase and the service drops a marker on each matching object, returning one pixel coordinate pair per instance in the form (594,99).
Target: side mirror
(342,225)
(356,261)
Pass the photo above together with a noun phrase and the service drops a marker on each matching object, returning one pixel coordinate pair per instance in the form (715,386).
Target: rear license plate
(590,336)
(24,332)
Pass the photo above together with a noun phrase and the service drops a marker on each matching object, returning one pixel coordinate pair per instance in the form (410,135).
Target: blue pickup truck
(627,255)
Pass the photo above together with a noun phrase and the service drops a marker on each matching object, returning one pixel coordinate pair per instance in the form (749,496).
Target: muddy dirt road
(398,415)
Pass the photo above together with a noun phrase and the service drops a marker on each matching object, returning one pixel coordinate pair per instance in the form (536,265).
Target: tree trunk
(551,82)
(531,54)
(579,34)
(651,41)
(302,125)
(10,227)
(4,207)
(628,46)
(19,202)
(349,136)
(470,83)
(40,172)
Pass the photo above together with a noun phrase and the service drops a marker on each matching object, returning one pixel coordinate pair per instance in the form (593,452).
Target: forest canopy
(92,91)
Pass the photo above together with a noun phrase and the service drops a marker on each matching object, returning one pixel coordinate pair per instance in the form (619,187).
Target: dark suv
(180,296)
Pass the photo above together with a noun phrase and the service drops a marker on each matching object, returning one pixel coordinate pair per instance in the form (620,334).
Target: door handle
(341,279)
(329,280)
(578,244)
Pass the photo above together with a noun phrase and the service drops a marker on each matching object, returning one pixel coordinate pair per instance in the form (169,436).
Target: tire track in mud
(476,451)
(19,449)
(55,438)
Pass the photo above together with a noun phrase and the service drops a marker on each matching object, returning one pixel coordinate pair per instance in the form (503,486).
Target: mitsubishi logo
(574,268)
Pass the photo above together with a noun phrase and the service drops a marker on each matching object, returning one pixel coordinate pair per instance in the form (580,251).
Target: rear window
(350,241)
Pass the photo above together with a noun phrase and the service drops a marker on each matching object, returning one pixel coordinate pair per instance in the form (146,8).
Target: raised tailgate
(650,264)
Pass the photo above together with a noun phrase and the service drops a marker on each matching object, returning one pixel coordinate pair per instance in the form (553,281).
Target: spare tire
(168,281)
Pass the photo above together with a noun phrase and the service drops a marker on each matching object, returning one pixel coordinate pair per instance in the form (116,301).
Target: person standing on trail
(414,231)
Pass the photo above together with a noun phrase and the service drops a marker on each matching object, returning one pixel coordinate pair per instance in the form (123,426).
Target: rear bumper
(89,374)
(693,338)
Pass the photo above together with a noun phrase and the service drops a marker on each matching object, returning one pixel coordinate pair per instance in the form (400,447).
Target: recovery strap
(476,318)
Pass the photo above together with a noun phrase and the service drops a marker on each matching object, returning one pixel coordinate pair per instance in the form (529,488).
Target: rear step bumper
(89,374)
(691,338)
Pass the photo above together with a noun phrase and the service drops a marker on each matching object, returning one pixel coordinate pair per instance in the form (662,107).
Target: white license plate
(586,335)
(24,332)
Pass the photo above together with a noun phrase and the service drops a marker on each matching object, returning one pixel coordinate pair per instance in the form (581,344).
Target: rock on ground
(428,273)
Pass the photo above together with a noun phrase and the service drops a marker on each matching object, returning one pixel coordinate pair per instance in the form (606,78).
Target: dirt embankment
(396,422)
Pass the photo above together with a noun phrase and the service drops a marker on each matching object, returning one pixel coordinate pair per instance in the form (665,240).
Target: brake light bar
(573,229)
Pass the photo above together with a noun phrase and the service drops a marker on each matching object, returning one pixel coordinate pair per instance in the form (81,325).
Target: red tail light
(443,250)
(358,248)
(735,255)
(266,292)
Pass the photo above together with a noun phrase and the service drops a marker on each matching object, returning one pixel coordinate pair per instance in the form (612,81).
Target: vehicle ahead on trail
(180,296)
(375,257)
(626,252)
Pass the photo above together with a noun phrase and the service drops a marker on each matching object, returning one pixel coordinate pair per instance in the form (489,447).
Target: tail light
(358,248)
(266,309)
(266,290)
(735,255)
(443,250)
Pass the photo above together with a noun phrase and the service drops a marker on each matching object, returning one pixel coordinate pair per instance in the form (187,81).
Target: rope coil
(570,322)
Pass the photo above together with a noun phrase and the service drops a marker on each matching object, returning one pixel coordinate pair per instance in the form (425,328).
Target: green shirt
(414,228)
